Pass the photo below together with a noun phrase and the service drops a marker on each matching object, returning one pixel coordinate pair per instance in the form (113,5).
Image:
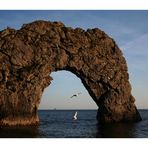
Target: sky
(128,28)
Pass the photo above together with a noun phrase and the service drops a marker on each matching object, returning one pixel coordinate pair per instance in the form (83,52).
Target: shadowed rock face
(29,55)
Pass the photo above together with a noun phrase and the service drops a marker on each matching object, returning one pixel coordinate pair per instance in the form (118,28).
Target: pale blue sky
(128,28)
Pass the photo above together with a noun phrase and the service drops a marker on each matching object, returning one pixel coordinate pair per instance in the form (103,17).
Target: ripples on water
(59,124)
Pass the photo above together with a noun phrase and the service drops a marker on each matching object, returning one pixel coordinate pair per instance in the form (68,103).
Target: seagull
(76,95)
(75,116)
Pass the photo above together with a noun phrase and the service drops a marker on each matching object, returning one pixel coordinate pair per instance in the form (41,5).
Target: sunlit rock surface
(29,55)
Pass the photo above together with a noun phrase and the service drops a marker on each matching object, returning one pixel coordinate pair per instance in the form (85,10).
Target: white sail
(75,116)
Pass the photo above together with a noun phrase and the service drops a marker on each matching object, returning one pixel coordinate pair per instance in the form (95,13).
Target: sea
(59,124)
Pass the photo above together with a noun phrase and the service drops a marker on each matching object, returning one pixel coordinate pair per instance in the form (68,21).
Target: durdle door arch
(29,55)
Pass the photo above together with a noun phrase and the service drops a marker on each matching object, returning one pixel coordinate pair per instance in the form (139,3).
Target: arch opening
(63,86)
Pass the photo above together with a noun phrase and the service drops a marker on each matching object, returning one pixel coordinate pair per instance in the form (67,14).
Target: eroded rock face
(29,55)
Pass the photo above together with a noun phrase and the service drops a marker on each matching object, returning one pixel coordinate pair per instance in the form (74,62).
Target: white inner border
(74,4)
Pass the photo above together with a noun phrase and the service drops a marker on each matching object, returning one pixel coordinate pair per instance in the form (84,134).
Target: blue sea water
(59,124)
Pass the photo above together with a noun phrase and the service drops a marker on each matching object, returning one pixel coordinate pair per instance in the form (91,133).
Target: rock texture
(29,55)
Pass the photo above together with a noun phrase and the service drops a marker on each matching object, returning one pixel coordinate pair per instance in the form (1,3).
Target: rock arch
(29,55)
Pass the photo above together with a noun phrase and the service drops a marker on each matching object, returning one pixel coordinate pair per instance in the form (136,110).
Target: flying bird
(76,95)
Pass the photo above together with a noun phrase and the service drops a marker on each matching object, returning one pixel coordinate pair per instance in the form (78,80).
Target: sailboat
(75,116)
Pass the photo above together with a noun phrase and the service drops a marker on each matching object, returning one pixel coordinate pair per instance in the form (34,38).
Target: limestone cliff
(29,55)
